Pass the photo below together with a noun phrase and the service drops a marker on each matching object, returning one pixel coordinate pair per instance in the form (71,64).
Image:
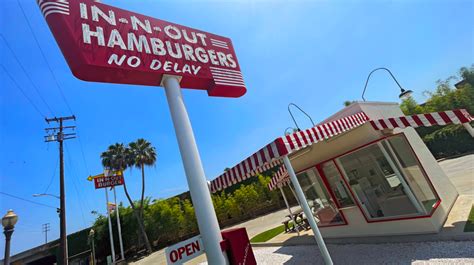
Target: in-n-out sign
(106,44)
(108,181)
(184,251)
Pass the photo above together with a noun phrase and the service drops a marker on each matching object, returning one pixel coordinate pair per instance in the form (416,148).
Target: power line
(44,58)
(75,187)
(26,73)
(52,177)
(22,91)
(26,200)
(82,150)
(55,80)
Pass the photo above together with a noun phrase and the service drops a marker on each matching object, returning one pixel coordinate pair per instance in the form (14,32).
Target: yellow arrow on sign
(90,178)
(114,172)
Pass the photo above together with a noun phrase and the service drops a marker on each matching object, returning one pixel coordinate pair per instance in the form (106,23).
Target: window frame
(331,195)
(335,160)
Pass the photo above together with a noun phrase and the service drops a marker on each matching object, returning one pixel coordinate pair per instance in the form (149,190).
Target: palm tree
(142,154)
(118,157)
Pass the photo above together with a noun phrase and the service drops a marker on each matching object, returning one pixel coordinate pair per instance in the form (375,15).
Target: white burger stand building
(364,171)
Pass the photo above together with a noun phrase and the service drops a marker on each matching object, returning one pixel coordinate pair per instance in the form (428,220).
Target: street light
(45,194)
(91,238)
(8,223)
(403,93)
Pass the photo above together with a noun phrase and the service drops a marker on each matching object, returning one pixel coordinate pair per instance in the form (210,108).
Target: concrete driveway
(461,173)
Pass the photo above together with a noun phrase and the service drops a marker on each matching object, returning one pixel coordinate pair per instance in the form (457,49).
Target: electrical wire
(55,80)
(26,200)
(23,92)
(71,169)
(26,73)
(61,92)
(52,177)
(82,149)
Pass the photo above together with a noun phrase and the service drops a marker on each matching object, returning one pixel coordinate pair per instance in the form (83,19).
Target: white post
(294,194)
(110,226)
(307,211)
(122,255)
(200,195)
(289,210)
(469,128)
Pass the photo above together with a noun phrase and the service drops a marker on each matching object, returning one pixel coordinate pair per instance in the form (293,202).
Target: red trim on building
(356,200)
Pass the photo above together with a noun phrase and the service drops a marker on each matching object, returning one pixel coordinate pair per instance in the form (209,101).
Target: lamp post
(8,223)
(91,238)
(403,93)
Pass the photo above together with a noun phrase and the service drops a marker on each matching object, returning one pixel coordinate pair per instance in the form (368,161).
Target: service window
(336,184)
(387,180)
(321,204)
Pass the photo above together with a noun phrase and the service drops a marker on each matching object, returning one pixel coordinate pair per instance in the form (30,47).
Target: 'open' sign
(184,251)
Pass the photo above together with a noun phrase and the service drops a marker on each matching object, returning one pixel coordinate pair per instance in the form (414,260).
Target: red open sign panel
(103,43)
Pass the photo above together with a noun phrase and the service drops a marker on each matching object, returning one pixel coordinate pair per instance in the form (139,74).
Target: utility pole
(57,134)
(46,229)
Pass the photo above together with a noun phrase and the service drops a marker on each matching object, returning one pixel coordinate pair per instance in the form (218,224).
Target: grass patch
(470,222)
(267,235)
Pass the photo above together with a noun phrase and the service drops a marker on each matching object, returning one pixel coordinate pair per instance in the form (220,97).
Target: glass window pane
(337,185)
(413,173)
(379,189)
(322,206)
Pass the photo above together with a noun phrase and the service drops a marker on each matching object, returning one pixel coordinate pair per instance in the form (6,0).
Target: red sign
(108,181)
(239,250)
(103,43)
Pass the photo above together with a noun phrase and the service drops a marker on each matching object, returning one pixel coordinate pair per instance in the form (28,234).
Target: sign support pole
(110,226)
(200,195)
(307,211)
(122,255)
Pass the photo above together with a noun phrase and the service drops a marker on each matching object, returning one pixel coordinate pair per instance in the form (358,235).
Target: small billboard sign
(184,251)
(103,43)
(108,181)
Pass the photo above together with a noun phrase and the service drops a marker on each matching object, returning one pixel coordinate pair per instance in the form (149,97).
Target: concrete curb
(309,240)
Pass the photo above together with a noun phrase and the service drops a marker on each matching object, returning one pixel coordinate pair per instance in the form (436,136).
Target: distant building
(78,248)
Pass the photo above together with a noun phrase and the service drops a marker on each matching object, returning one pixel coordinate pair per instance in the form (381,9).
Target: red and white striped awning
(459,116)
(279,178)
(269,156)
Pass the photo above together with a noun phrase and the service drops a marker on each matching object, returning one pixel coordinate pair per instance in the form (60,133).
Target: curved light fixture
(294,120)
(403,93)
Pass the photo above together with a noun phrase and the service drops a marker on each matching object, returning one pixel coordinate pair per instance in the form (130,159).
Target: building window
(336,184)
(387,180)
(322,205)
(412,171)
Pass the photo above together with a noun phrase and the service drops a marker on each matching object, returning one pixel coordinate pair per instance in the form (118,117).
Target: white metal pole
(294,194)
(289,210)
(469,128)
(122,255)
(110,226)
(304,204)
(200,195)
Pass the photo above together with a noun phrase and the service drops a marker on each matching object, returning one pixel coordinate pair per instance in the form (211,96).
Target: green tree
(451,139)
(142,154)
(118,157)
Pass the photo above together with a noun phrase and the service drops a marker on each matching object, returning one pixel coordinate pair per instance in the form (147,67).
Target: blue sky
(314,53)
